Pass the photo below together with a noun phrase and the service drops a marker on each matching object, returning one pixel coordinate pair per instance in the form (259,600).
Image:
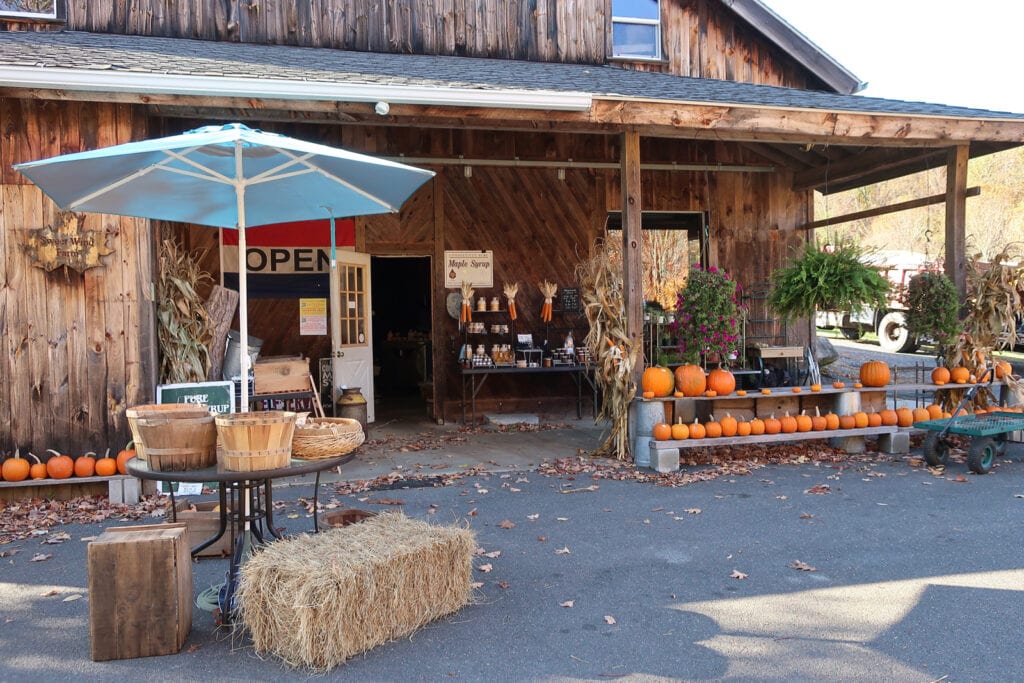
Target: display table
(246,505)
(578,373)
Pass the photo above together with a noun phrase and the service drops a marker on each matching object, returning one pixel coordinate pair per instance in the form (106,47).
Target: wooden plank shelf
(772,438)
(777,392)
(121,488)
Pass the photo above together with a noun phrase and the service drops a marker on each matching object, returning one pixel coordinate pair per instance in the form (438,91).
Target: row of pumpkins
(61,466)
(690,380)
(788,424)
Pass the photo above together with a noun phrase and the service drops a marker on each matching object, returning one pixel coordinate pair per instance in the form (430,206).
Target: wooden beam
(859,165)
(882,210)
(956,217)
(632,217)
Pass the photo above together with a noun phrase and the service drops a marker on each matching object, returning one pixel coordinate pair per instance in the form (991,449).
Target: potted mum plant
(708,316)
(933,309)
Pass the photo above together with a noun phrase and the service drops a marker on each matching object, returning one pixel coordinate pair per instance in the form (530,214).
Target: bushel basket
(326,437)
(255,441)
(162,411)
(179,444)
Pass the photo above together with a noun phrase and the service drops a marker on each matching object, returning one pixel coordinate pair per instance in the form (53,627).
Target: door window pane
(353,305)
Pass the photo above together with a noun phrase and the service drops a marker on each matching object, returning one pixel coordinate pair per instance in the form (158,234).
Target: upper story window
(30,9)
(636,29)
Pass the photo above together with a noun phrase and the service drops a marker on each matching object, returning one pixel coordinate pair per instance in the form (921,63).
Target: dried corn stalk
(548,290)
(466,315)
(184,330)
(611,348)
(511,289)
(993,299)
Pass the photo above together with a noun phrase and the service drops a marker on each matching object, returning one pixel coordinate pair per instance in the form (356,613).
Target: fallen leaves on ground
(563,551)
(506,524)
(801,566)
(41,557)
(737,574)
(820,489)
(35,516)
(485,568)
(610,620)
(567,603)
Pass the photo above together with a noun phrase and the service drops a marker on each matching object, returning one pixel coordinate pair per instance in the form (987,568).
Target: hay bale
(316,600)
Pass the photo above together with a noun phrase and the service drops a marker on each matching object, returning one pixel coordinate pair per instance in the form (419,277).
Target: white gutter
(111,81)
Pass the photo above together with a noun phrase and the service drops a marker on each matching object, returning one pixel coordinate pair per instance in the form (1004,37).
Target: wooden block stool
(140,591)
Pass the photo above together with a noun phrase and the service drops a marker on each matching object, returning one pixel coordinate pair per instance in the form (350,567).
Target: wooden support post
(956,217)
(632,287)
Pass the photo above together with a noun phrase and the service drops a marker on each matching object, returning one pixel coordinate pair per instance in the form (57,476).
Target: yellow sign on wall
(312,316)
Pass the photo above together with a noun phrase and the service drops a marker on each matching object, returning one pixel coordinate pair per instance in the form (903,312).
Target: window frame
(59,13)
(616,20)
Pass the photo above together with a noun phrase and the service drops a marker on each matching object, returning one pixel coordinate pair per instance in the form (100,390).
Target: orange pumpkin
(797,390)
(959,375)
(904,417)
(815,387)
(858,385)
(772,425)
(766,391)
(106,466)
(124,456)
(711,393)
(743,428)
(838,385)
(729,425)
(658,380)
(874,420)
(847,422)
(787,424)
(15,468)
(831,421)
(712,428)
(940,375)
(818,422)
(680,432)
(875,373)
(38,469)
(697,430)
(934,411)
(648,394)
(662,432)
(677,394)
(1003,369)
(59,466)
(691,380)
(741,392)
(860,419)
(721,381)
(757,427)
(921,414)
(804,423)
(889,417)
(85,465)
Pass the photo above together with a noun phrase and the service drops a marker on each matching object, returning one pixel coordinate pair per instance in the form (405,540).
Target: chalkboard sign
(217,396)
(571,299)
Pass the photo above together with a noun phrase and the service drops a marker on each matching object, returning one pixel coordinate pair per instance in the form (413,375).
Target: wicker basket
(179,444)
(326,437)
(255,441)
(163,411)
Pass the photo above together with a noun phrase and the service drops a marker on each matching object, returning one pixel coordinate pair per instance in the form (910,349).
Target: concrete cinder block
(898,442)
(664,459)
(850,444)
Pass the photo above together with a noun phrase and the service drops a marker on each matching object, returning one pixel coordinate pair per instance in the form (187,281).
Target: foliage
(663,255)
(830,278)
(708,314)
(183,325)
(933,308)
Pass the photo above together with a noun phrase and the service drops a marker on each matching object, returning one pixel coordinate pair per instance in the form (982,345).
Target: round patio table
(246,506)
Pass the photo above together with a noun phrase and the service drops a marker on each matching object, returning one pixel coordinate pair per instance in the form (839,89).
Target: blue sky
(938,51)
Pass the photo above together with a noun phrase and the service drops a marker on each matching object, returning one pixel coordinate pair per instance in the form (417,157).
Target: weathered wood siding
(701,38)
(77,348)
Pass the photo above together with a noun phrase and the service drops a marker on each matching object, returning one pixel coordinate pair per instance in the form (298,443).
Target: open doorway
(403,371)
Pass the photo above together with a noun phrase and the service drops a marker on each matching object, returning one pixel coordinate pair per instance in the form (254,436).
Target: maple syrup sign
(66,244)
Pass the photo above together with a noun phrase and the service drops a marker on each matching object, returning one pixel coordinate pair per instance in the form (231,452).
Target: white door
(351,334)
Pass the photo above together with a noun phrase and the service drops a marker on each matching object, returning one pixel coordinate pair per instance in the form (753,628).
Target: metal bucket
(352,404)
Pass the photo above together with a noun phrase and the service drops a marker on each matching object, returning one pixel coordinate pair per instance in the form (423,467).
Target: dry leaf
(486,567)
(386,501)
(567,603)
(609,620)
(194,647)
(476,584)
(595,487)
(737,574)
(472,513)
(41,557)
(542,539)
(493,554)
(72,598)
(806,515)
(801,566)
(562,551)
(533,518)
(49,593)
(647,521)
(15,551)
(960,479)
(562,519)
(507,524)
(820,489)
(693,511)
(513,489)
(503,584)
(1016,495)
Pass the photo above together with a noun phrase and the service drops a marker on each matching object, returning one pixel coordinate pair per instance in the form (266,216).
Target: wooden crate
(140,591)
(202,523)
(279,374)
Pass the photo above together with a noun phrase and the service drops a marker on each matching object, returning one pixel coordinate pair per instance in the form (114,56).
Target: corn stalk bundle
(993,299)
(511,289)
(466,314)
(184,330)
(611,348)
(548,290)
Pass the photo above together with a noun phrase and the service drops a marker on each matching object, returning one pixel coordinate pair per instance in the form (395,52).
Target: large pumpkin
(1003,369)
(657,380)
(721,381)
(85,465)
(904,417)
(959,375)
(940,375)
(875,373)
(15,468)
(691,380)
(106,466)
(59,466)
(729,425)
(662,432)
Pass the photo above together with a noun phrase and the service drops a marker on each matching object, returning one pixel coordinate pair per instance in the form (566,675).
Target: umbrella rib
(75,203)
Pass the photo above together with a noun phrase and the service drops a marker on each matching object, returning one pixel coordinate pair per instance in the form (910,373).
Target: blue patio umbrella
(226,176)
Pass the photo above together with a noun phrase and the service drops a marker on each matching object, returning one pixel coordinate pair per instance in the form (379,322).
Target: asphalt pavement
(867,569)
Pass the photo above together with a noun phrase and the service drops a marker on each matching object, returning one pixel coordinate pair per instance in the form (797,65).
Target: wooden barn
(545,121)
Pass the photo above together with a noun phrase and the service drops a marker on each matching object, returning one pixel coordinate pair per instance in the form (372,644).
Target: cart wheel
(936,450)
(1000,444)
(983,450)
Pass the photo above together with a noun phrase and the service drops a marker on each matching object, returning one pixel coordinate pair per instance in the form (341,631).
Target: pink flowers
(707,314)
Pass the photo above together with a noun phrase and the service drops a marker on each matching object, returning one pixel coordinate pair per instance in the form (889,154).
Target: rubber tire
(893,335)
(851,333)
(983,451)
(936,451)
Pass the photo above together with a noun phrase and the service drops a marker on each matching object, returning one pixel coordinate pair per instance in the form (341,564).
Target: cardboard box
(140,591)
(202,523)
(279,374)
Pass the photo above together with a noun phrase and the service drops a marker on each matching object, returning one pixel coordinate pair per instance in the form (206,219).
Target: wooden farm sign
(66,244)
(474,267)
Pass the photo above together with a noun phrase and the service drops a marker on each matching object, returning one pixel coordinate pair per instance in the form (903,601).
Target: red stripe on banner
(297,234)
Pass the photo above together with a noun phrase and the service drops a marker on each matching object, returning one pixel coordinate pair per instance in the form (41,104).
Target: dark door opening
(403,371)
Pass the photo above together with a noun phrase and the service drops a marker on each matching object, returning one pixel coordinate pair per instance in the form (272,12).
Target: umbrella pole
(243,290)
